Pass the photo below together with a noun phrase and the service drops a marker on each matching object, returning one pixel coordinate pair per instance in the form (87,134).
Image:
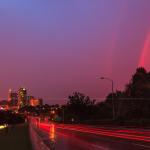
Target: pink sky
(54,48)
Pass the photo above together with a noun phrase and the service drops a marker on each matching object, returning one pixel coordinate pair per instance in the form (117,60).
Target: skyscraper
(22,97)
(12,98)
(9,95)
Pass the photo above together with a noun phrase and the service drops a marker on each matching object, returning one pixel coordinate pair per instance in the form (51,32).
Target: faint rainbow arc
(144,58)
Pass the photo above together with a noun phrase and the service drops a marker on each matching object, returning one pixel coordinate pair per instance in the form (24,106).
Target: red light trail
(124,134)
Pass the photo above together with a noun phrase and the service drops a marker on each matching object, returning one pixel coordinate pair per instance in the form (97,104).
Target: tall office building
(12,98)
(22,97)
(9,95)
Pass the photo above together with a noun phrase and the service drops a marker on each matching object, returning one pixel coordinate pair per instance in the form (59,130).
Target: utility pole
(112,88)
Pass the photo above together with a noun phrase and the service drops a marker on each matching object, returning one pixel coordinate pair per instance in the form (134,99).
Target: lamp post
(63,115)
(112,88)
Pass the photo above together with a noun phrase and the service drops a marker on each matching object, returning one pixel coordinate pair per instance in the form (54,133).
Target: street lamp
(112,88)
(53,112)
(63,113)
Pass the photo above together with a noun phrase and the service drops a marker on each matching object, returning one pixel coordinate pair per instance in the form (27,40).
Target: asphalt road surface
(70,137)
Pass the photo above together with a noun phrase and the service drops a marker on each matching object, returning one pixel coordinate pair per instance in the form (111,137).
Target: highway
(79,137)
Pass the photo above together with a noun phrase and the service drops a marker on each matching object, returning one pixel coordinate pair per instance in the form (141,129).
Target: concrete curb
(37,141)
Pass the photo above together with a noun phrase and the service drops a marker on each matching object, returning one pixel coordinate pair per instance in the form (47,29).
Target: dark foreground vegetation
(10,118)
(132,106)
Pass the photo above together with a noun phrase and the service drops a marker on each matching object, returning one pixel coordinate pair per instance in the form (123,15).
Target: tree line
(131,105)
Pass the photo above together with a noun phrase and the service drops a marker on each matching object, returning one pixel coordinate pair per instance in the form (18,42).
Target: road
(73,137)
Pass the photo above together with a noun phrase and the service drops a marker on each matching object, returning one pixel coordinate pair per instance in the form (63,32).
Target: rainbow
(145,55)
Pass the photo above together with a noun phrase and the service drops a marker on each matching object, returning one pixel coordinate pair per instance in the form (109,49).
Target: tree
(139,85)
(79,107)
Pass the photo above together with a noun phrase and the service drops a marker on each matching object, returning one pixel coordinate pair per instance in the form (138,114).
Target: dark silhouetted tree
(79,107)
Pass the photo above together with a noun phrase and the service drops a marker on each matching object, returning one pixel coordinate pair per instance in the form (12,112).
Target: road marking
(146,146)
(99,147)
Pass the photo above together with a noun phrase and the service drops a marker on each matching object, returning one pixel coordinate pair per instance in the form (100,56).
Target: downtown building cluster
(19,99)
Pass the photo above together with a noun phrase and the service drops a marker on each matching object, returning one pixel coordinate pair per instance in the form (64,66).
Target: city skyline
(57,48)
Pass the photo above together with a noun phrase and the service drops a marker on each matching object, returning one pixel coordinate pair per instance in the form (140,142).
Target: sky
(54,48)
